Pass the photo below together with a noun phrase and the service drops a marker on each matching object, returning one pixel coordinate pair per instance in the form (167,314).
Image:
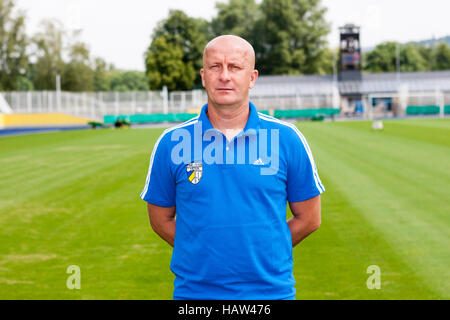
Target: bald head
(228,71)
(231,43)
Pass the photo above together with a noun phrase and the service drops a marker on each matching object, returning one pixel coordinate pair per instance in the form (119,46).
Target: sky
(120,31)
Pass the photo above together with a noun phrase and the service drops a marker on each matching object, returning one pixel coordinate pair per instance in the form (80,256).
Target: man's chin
(226,101)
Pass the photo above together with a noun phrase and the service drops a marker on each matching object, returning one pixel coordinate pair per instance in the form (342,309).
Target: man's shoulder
(287,130)
(186,125)
(165,137)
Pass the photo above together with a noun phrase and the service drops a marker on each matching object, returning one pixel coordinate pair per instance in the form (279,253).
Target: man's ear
(253,78)
(202,73)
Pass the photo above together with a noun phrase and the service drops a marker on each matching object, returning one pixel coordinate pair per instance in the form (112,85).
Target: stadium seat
(422,110)
(305,113)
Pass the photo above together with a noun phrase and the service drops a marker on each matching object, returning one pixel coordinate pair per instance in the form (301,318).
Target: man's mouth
(224,89)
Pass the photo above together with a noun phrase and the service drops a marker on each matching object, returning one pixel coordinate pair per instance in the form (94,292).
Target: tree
(78,75)
(290,37)
(441,57)
(427,54)
(383,58)
(129,81)
(327,58)
(411,60)
(24,84)
(101,76)
(179,33)
(165,66)
(53,43)
(48,53)
(237,17)
(13,48)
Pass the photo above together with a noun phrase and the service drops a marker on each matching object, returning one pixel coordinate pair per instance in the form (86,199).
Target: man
(229,193)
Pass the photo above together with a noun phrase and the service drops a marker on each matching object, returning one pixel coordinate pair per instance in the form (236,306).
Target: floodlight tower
(350,69)
(349,53)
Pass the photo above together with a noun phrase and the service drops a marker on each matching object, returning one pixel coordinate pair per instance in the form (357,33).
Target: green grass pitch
(72,198)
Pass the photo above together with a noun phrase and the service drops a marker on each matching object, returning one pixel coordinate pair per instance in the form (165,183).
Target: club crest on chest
(194,172)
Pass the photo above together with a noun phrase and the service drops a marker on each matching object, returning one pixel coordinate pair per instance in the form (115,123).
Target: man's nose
(224,75)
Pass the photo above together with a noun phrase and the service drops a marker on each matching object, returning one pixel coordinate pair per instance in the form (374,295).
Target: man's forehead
(234,53)
(231,47)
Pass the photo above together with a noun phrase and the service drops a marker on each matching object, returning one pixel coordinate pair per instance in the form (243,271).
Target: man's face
(228,73)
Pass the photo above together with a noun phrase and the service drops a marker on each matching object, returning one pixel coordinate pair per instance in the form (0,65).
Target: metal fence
(272,93)
(94,105)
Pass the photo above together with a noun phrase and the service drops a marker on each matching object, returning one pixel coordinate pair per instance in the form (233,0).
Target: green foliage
(101,79)
(237,17)
(410,59)
(290,37)
(24,84)
(413,57)
(441,57)
(382,58)
(108,78)
(166,67)
(179,32)
(14,41)
(48,53)
(327,57)
(78,74)
(427,53)
(128,81)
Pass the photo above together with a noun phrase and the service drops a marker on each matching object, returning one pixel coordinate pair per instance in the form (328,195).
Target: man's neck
(230,120)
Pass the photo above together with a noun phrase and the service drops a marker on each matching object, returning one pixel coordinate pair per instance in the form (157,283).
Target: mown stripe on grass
(413,130)
(443,123)
(417,182)
(366,220)
(419,235)
(50,167)
(332,263)
(104,227)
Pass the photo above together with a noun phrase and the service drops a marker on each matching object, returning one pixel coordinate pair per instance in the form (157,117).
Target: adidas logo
(258,162)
